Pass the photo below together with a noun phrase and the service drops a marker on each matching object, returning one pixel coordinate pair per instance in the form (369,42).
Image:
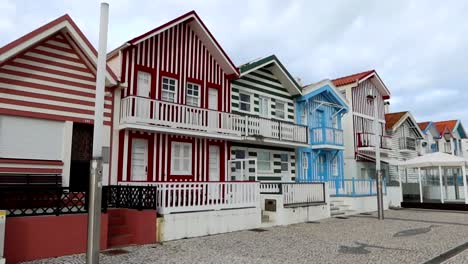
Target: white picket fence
(204,196)
(134,109)
(296,193)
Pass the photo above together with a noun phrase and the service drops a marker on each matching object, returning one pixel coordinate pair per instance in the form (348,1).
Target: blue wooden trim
(325,88)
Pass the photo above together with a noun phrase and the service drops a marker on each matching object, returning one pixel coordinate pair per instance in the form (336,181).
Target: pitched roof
(192,19)
(392,118)
(443,125)
(63,24)
(351,78)
(283,74)
(423,125)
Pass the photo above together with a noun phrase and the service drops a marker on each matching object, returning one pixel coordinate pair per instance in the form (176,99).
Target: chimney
(387,107)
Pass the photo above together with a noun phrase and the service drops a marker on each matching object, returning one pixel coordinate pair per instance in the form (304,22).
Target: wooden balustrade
(327,136)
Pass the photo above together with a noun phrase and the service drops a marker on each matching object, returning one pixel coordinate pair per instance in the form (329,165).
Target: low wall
(363,204)
(293,215)
(394,196)
(37,237)
(195,224)
(141,224)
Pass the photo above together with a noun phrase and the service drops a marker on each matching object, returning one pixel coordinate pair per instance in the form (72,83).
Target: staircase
(119,233)
(339,208)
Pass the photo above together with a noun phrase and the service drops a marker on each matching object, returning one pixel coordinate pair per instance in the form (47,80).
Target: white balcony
(366,141)
(326,138)
(407,144)
(148,114)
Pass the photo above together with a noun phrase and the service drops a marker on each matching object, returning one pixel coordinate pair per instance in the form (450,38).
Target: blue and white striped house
(321,108)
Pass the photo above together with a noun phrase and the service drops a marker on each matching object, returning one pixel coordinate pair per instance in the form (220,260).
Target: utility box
(2,235)
(270,205)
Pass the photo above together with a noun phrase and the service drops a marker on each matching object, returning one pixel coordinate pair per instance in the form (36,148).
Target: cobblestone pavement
(406,236)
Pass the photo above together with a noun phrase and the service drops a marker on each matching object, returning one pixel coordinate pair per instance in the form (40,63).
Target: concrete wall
(362,204)
(37,237)
(394,196)
(293,215)
(196,224)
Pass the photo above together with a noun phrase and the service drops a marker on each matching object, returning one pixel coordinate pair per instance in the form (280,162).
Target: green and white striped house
(264,94)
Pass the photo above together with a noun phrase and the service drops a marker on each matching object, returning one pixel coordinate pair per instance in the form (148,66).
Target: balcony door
(143,93)
(214,163)
(139,159)
(213,99)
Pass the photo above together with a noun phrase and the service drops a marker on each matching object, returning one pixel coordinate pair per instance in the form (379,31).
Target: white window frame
(284,110)
(250,103)
(192,86)
(287,162)
(260,105)
(305,165)
(304,114)
(181,158)
(270,161)
(166,91)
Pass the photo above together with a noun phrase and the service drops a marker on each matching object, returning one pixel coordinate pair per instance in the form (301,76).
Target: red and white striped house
(172,120)
(358,124)
(47,87)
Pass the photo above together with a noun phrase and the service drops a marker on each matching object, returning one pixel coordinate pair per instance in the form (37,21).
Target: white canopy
(434,160)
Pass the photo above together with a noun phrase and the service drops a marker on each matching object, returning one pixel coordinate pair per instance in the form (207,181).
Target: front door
(213,118)
(213,163)
(143,93)
(322,165)
(139,159)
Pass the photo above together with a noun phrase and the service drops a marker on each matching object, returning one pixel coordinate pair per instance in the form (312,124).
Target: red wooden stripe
(45,78)
(52,46)
(55,63)
(51,97)
(55,55)
(29,170)
(35,162)
(50,107)
(52,71)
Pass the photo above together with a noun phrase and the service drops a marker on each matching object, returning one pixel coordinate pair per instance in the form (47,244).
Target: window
(169,89)
(239,154)
(305,165)
(264,106)
(244,102)
(335,121)
(181,158)
(193,95)
(304,114)
(264,161)
(334,167)
(143,84)
(280,109)
(284,162)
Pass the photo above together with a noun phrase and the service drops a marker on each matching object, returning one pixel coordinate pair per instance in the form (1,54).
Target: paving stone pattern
(405,236)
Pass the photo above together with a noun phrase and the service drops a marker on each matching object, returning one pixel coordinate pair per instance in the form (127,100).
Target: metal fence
(354,187)
(43,200)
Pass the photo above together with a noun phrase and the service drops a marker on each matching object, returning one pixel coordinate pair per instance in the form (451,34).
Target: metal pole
(95,186)
(377,161)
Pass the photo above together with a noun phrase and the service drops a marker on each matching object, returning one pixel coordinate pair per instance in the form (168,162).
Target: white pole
(420,186)
(464,183)
(441,185)
(377,140)
(95,186)
(401,185)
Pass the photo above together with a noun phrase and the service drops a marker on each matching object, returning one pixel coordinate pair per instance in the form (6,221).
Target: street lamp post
(95,179)
(377,140)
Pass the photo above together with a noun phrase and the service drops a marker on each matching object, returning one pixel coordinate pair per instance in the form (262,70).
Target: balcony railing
(368,140)
(354,187)
(134,109)
(407,143)
(326,136)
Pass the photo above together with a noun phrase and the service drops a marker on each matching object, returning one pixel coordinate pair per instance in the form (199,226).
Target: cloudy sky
(419,48)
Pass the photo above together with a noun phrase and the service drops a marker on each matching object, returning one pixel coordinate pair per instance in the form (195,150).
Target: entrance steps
(339,208)
(119,233)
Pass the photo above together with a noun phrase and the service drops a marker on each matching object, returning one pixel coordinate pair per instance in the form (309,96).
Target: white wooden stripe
(60,44)
(36,166)
(265,80)
(48,111)
(262,86)
(45,57)
(46,74)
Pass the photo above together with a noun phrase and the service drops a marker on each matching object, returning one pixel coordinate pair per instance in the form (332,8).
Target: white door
(143,93)
(139,159)
(213,118)
(213,163)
